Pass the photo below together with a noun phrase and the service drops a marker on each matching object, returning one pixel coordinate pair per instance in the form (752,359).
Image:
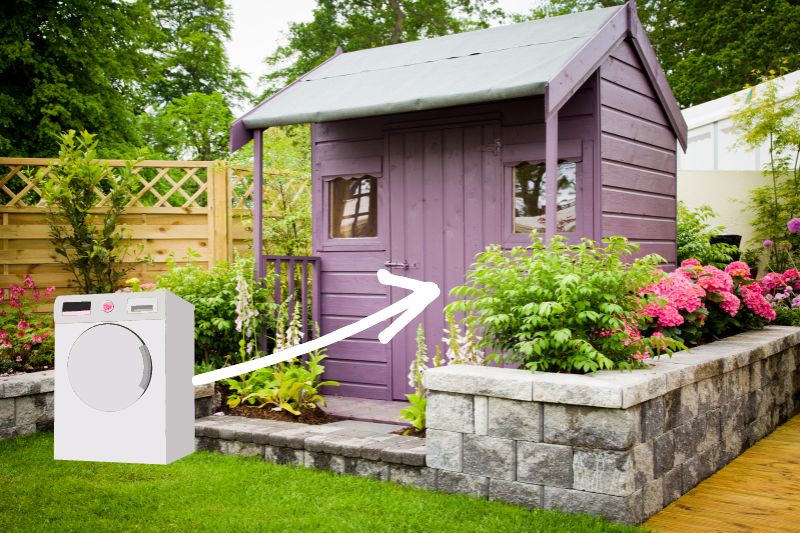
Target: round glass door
(109,367)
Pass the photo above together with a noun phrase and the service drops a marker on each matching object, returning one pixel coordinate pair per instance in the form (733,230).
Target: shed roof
(497,63)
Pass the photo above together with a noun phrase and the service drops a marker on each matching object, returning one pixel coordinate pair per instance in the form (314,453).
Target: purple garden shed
(425,152)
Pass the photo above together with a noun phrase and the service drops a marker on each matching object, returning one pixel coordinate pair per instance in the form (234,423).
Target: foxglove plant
(462,348)
(246,314)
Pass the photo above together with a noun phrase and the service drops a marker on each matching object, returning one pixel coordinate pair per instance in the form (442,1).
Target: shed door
(445,187)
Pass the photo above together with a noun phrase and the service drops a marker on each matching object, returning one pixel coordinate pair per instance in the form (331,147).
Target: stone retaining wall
(26,403)
(621,445)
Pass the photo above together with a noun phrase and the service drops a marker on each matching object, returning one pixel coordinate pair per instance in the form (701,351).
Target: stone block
(414,476)
(481,415)
(318,460)
(367,468)
(712,430)
(295,437)
(450,412)
(444,449)
(457,483)
(206,444)
(242,449)
(398,452)
(644,463)
(637,386)
(603,471)
(681,405)
(755,376)
(708,394)
(7,418)
(514,419)
(489,456)
(654,418)
(690,475)
(372,448)
(26,384)
(204,391)
(685,441)
(515,493)
(284,456)
(626,509)
(481,381)
(28,410)
(573,389)
(544,464)
(673,484)
(415,456)
(652,498)
(663,454)
(592,427)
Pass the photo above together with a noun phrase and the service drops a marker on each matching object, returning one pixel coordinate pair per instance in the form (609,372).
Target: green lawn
(212,492)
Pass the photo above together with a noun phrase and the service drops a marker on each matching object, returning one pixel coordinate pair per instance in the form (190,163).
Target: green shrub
(560,307)
(91,246)
(694,234)
(214,296)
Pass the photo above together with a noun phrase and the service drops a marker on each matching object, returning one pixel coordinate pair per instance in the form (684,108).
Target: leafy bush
(91,246)
(214,296)
(561,307)
(26,338)
(694,234)
(697,303)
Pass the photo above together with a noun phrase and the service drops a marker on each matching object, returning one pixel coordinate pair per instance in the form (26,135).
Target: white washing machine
(123,384)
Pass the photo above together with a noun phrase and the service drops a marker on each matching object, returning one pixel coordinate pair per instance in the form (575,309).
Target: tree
(710,48)
(71,65)
(359,24)
(194,126)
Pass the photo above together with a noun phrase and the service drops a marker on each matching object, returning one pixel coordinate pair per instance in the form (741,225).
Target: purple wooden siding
(444,200)
(638,157)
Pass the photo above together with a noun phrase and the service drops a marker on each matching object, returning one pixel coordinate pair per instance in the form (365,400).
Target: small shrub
(215,296)
(91,246)
(26,338)
(561,307)
(694,237)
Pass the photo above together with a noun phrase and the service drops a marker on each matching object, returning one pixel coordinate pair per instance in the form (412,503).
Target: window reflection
(353,208)
(530,195)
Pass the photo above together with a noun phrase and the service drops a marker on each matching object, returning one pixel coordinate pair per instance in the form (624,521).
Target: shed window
(353,208)
(530,197)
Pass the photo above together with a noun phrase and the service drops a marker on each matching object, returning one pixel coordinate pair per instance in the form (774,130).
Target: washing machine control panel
(110,307)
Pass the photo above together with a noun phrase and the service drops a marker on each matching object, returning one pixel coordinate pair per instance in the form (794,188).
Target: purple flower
(767,243)
(794,225)
(796,301)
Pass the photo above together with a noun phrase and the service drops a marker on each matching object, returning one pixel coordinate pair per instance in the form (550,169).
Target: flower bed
(618,444)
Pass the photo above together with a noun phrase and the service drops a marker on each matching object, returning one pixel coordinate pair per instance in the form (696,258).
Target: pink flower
(37,339)
(791,275)
(49,290)
(28,281)
(730,303)
(27,347)
(691,262)
(767,243)
(715,280)
(23,325)
(796,302)
(754,300)
(19,359)
(772,280)
(3,334)
(6,343)
(794,225)
(641,356)
(738,269)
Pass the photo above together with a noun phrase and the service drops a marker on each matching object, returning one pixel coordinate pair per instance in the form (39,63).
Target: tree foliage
(98,64)
(360,24)
(712,48)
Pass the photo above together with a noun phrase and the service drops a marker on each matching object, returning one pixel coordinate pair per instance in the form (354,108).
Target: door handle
(396,264)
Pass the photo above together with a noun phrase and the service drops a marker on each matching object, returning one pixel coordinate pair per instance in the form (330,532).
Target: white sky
(260,25)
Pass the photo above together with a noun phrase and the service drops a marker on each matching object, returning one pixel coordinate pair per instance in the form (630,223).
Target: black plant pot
(733,240)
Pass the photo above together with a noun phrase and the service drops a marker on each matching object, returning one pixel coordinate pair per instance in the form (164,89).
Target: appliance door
(109,367)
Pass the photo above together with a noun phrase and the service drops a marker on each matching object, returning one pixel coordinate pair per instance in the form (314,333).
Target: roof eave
(240,134)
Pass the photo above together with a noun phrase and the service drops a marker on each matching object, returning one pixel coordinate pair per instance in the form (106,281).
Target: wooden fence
(204,206)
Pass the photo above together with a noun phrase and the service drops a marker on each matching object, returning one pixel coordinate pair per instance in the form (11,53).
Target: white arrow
(422,294)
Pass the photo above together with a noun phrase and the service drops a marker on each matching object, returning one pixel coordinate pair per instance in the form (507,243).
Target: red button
(108,307)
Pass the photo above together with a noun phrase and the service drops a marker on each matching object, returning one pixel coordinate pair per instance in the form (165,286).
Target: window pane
(567,198)
(530,193)
(529,198)
(353,208)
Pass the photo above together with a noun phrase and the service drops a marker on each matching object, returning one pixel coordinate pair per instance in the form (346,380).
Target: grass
(212,492)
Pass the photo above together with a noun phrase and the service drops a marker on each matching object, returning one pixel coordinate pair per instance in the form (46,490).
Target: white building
(714,170)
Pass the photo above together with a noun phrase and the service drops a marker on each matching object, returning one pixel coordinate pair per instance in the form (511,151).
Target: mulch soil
(410,432)
(312,417)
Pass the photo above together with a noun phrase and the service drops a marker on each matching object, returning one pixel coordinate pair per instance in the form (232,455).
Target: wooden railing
(296,281)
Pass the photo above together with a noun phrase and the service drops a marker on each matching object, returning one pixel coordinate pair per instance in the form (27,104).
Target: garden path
(757,491)
(364,409)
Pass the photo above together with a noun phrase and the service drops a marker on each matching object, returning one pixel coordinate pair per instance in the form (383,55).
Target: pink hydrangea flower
(791,275)
(730,303)
(691,262)
(715,280)
(738,269)
(754,300)
(772,280)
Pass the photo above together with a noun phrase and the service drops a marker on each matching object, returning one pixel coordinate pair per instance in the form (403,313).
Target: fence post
(218,216)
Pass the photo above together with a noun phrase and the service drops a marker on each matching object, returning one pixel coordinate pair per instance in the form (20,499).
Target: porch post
(551,173)
(258,204)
